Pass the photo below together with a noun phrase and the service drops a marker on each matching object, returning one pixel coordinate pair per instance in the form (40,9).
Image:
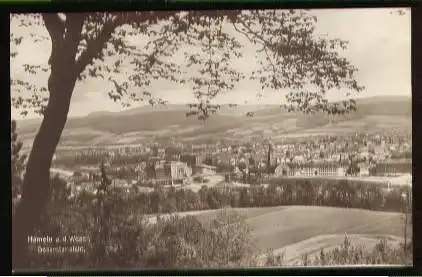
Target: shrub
(382,253)
(273,259)
(120,237)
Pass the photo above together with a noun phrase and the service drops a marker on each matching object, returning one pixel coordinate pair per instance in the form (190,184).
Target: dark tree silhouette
(17,161)
(98,45)
(102,217)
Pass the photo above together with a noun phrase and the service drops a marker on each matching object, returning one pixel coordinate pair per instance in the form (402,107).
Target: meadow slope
(310,227)
(292,254)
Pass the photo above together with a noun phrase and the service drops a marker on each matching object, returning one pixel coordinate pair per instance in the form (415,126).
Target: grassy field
(301,227)
(293,253)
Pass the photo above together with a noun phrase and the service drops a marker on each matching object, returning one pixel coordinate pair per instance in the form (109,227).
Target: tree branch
(116,19)
(73,25)
(95,46)
(247,35)
(270,60)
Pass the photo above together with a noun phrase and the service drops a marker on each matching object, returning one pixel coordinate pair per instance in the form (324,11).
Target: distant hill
(137,124)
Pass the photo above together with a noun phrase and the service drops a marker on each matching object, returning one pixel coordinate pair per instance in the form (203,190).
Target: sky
(379,46)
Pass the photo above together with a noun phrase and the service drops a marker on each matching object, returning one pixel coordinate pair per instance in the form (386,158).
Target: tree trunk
(36,185)
(65,37)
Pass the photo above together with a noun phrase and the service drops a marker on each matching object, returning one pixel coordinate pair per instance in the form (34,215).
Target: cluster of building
(178,169)
(312,169)
(355,154)
(167,172)
(392,167)
(385,168)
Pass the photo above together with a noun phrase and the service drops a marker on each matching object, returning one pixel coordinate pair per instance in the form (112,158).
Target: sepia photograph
(211,139)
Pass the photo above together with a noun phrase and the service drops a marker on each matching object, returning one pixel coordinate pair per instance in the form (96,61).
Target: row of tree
(336,193)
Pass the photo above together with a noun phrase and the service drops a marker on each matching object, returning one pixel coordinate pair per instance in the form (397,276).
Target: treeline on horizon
(332,193)
(282,191)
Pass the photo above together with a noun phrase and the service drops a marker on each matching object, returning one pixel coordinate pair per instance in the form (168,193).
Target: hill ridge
(138,124)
